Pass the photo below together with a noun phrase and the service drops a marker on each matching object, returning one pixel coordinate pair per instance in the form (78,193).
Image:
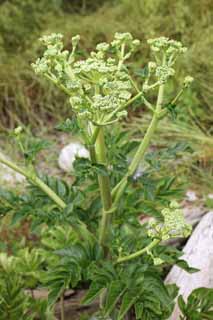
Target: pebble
(69,153)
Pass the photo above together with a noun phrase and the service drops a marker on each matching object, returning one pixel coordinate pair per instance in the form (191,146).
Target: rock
(198,252)
(191,195)
(8,175)
(69,153)
(193,214)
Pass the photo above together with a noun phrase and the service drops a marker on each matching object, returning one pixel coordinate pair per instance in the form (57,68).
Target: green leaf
(69,125)
(184,265)
(114,293)
(172,290)
(172,108)
(207,315)
(93,292)
(142,72)
(138,310)
(199,305)
(55,292)
(181,304)
(32,146)
(129,298)
(100,169)
(201,298)
(85,168)
(62,276)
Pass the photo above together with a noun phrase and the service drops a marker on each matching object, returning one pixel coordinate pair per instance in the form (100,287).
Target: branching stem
(139,253)
(119,188)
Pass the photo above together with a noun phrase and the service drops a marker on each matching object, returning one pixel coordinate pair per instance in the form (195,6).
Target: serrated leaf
(138,310)
(202,299)
(61,277)
(54,293)
(93,292)
(114,293)
(129,298)
(69,125)
(172,290)
(61,188)
(181,304)
(18,216)
(100,169)
(184,265)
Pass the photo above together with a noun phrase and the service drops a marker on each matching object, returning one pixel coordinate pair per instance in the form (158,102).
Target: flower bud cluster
(169,46)
(55,60)
(96,85)
(163,73)
(17,131)
(125,39)
(174,225)
(187,81)
(100,86)
(170,49)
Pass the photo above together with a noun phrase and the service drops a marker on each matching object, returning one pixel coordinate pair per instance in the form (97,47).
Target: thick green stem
(104,184)
(119,188)
(92,153)
(139,253)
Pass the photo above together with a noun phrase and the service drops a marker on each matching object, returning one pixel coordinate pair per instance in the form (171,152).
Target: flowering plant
(104,244)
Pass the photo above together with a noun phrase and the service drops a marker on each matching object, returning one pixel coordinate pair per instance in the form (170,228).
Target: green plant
(199,305)
(14,301)
(107,248)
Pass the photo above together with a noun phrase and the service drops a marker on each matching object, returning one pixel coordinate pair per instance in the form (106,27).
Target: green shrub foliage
(89,232)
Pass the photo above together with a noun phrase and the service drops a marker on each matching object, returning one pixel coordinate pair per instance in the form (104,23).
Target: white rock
(191,195)
(69,153)
(8,175)
(198,252)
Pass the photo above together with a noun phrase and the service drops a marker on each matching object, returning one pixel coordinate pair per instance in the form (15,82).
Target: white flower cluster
(97,85)
(171,49)
(174,225)
(55,60)
(168,45)
(100,86)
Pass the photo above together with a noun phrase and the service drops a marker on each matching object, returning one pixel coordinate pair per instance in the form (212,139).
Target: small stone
(69,153)
(191,195)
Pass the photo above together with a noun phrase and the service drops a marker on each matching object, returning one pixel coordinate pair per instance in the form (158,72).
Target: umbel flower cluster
(100,86)
(97,85)
(174,224)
